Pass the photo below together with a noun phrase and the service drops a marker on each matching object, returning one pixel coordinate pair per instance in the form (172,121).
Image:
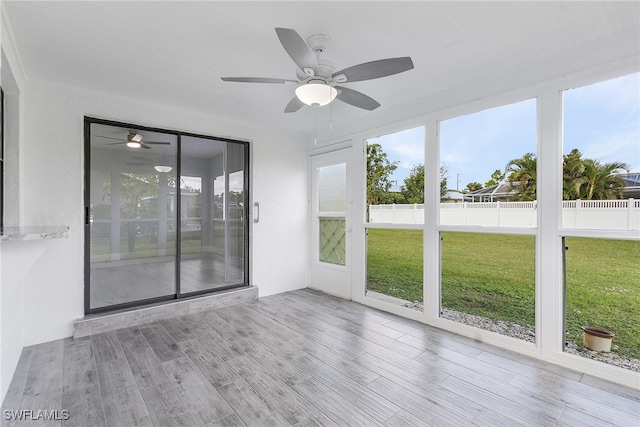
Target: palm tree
(572,169)
(598,181)
(474,186)
(524,174)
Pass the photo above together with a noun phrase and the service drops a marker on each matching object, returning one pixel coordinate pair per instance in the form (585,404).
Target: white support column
(549,280)
(431,238)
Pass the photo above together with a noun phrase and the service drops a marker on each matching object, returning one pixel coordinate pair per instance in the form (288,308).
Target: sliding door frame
(88,121)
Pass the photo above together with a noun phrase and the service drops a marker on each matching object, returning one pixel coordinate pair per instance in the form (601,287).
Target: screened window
(490,159)
(395,209)
(601,162)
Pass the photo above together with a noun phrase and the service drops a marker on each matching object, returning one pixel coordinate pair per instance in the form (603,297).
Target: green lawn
(493,276)
(145,247)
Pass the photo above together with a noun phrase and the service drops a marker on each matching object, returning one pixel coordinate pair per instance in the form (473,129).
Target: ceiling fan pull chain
(315,125)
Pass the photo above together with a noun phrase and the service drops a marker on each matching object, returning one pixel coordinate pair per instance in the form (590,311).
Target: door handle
(256,206)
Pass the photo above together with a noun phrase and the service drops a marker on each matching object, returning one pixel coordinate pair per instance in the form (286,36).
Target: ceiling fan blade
(294,105)
(144,145)
(374,69)
(256,80)
(108,137)
(116,143)
(298,50)
(156,143)
(357,99)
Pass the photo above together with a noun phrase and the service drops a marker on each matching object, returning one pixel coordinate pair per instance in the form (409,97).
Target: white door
(331,224)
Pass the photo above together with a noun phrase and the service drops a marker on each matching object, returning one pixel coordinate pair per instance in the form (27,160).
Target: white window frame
(549,280)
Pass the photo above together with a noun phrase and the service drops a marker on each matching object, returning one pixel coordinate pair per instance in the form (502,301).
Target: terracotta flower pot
(597,339)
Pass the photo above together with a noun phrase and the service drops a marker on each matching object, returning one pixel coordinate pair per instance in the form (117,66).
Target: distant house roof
(506,191)
(631,179)
(631,184)
(492,193)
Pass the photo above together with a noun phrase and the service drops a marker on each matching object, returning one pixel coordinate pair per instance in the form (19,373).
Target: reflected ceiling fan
(134,140)
(318,82)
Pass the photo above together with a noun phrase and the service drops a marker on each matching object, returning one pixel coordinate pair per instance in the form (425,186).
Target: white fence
(590,214)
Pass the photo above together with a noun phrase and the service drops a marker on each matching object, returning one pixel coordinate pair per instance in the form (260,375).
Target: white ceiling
(175,52)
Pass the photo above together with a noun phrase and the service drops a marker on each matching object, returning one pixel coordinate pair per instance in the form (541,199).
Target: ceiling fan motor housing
(318,42)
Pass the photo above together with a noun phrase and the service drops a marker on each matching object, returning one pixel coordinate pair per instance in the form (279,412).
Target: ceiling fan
(318,82)
(134,140)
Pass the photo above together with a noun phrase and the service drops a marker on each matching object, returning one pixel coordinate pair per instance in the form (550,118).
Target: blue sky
(601,120)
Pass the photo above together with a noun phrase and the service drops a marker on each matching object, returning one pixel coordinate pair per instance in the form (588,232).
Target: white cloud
(622,145)
(406,147)
(620,95)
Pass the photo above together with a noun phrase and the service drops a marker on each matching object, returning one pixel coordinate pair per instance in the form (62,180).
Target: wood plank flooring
(120,282)
(304,359)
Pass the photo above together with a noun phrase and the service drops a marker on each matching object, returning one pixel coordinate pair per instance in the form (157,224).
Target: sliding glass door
(212,217)
(165,215)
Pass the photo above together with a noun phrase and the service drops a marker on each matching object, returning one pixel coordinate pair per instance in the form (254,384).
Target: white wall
(51,283)
(52,148)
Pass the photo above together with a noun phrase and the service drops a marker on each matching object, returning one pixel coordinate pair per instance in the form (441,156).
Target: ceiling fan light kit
(316,93)
(134,139)
(163,169)
(317,79)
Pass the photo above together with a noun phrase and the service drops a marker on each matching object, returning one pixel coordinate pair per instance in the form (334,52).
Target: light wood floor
(122,282)
(307,359)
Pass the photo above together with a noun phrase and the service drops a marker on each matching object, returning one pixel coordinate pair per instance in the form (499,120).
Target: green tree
(444,177)
(572,169)
(496,178)
(523,172)
(474,186)
(584,179)
(599,181)
(413,188)
(139,194)
(379,170)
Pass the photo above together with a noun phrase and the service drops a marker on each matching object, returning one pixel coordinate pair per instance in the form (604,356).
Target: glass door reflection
(212,217)
(132,216)
(165,215)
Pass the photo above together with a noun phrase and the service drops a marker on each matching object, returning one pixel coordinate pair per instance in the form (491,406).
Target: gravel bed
(611,358)
(527,333)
